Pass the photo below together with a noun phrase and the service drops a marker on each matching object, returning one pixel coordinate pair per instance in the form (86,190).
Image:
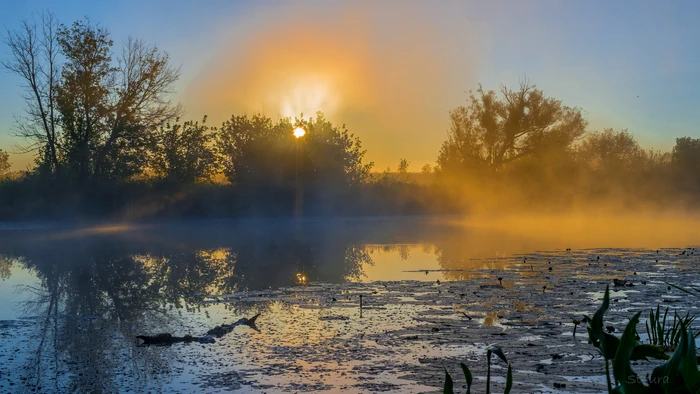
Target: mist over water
(157,228)
(89,290)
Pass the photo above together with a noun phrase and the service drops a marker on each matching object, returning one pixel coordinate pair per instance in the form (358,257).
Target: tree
(493,131)
(612,152)
(82,96)
(262,158)
(94,116)
(108,112)
(241,139)
(4,163)
(184,152)
(685,159)
(426,169)
(34,51)
(403,166)
(256,149)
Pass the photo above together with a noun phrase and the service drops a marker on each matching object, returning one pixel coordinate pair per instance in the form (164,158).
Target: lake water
(72,299)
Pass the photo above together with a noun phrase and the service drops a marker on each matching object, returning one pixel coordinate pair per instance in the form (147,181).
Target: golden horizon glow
(299,132)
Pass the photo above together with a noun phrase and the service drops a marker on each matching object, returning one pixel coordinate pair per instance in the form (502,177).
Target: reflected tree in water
(5,266)
(95,294)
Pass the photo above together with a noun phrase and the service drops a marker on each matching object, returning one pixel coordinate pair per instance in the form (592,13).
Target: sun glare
(299,132)
(307,95)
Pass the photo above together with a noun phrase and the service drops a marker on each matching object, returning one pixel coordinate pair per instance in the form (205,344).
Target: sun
(299,132)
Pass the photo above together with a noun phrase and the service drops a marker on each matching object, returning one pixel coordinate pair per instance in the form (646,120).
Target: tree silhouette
(685,160)
(184,153)
(92,116)
(493,131)
(34,52)
(612,152)
(259,157)
(4,163)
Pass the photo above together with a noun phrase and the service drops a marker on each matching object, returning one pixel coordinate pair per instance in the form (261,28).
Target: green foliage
(467,376)
(664,335)
(91,117)
(184,152)
(677,375)
(611,152)
(685,159)
(267,163)
(622,370)
(493,131)
(694,291)
(449,385)
(5,266)
(403,166)
(4,163)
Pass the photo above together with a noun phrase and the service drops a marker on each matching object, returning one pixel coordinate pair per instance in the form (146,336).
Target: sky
(391,70)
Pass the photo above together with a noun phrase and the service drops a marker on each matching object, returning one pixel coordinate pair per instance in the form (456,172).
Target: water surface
(72,298)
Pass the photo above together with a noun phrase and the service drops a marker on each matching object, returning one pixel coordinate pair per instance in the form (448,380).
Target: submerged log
(167,339)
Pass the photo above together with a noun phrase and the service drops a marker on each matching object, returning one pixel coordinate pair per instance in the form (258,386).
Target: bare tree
(89,115)
(141,99)
(34,58)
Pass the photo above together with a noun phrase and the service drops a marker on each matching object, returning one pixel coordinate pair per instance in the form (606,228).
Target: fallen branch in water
(167,339)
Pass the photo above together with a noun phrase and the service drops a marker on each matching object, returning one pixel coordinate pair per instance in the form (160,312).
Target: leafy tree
(4,163)
(403,166)
(426,169)
(686,155)
(685,160)
(108,111)
(264,160)
(246,146)
(83,94)
(493,131)
(612,152)
(335,152)
(254,149)
(5,266)
(93,116)
(184,152)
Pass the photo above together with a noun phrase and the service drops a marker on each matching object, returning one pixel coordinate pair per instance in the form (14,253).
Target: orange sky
(390,78)
(392,69)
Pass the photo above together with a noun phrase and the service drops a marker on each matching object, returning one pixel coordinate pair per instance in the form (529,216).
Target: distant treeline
(109,143)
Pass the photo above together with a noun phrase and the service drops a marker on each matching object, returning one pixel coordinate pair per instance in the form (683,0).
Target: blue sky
(391,70)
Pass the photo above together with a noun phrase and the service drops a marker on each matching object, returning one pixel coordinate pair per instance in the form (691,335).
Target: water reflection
(96,289)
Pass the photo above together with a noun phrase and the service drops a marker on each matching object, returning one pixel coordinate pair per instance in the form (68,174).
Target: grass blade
(468,376)
(622,370)
(449,386)
(664,337)
(509,380)
(497,351)
(595,328)
(685,290)
(690,373)
(645,352)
